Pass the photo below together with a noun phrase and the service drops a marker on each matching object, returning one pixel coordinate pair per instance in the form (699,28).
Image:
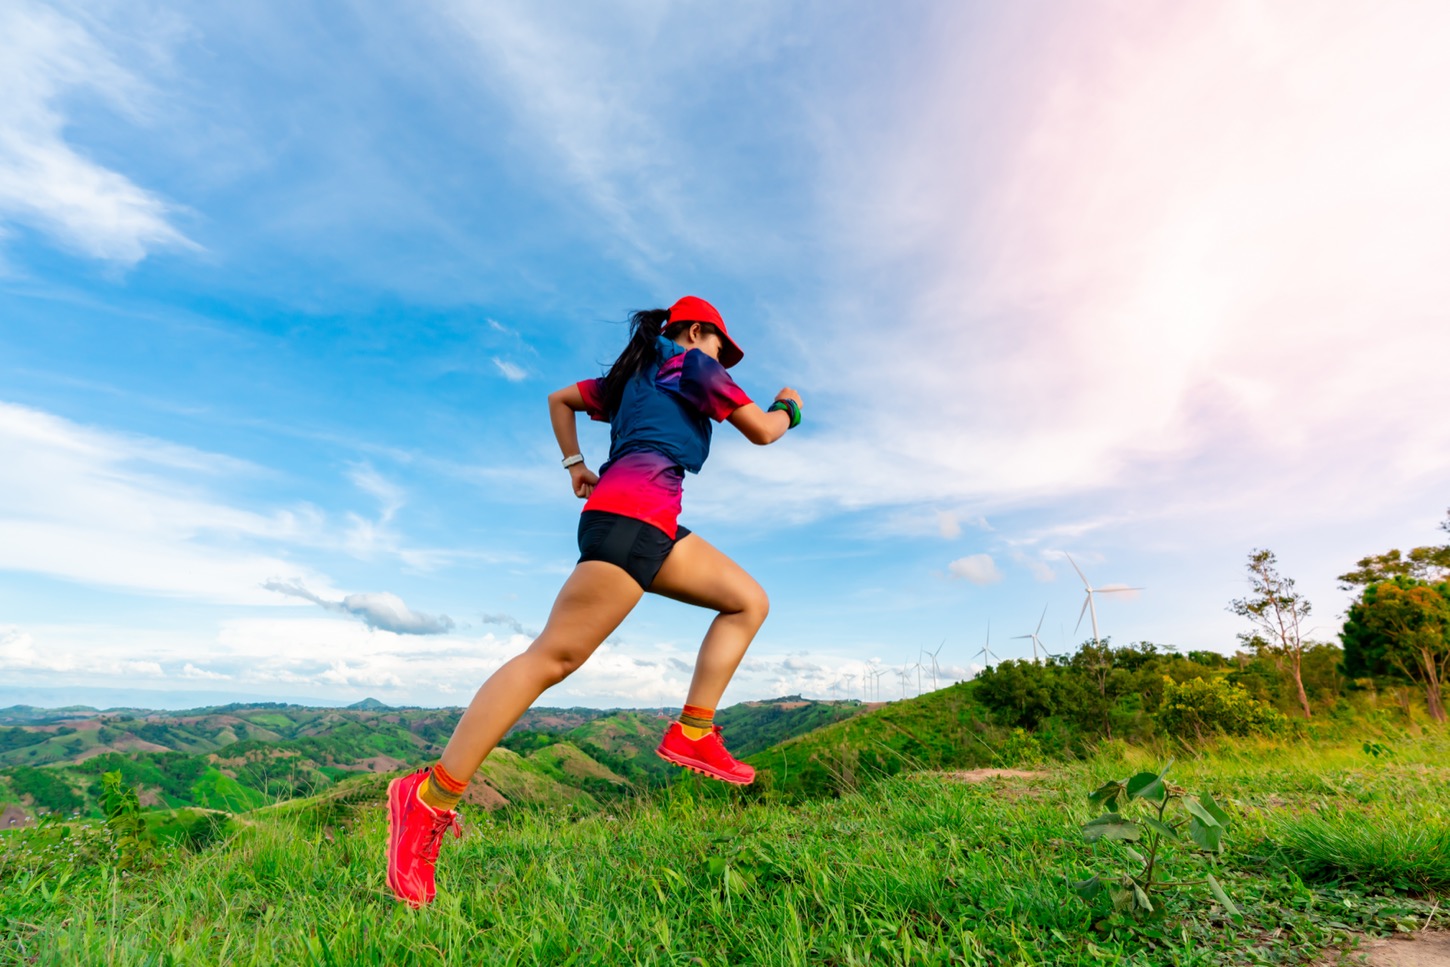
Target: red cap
(694,309)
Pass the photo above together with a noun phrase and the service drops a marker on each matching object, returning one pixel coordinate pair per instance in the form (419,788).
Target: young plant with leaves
(125,824)
(1171,830)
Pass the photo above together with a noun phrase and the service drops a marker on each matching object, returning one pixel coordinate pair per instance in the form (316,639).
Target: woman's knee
(556,664)
(754,603)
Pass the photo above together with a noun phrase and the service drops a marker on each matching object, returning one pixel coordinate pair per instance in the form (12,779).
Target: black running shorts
(625,542)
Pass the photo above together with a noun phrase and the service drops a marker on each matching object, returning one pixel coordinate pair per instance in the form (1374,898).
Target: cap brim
(730,354)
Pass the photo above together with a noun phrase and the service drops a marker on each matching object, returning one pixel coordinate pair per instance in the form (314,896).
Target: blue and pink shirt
(661,429)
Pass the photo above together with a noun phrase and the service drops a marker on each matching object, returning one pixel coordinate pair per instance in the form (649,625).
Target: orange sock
(697,722)
(440,790)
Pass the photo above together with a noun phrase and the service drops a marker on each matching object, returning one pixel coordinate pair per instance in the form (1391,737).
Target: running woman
(658,398)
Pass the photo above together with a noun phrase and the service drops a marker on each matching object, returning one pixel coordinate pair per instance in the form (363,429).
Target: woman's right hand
(790,394)
(583,479)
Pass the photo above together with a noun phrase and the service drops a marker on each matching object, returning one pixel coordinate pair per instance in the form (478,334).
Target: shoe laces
(441,825)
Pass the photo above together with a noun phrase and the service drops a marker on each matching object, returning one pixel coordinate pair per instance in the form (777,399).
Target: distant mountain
(236,758)
(368,705)
(241,756)
(31,715)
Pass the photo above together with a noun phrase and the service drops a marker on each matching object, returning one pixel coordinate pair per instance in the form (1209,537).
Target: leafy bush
(1022,748)
(1202,707)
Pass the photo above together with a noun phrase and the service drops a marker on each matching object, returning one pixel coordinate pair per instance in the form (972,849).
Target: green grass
(1373,848)
(916,869)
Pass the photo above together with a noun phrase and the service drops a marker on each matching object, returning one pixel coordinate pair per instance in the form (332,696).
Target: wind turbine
(1088,606)
(1036,641)
(986,652)
(848,679)
(935,668)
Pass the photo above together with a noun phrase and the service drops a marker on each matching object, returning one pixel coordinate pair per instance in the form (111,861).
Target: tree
(1402,627)
(1429,564)
(1275,609)
(1102,684)
(1019,693)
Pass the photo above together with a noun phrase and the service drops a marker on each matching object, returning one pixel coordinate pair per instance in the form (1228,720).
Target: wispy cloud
(510,622)
(976,568)
(1195,270)
(94,506)
(511,371)
(381,610)
(87,505)
(46,182)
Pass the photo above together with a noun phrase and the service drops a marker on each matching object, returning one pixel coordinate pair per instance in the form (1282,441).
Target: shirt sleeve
(709,388)
(593,392)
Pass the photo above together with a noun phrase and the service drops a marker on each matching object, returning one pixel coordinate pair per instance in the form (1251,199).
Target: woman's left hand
(584,480)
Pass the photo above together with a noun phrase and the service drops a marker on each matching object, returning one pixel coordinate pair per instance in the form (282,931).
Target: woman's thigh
(698,573)
(590,605)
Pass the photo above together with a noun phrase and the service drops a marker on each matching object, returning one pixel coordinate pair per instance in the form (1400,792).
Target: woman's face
(708,343)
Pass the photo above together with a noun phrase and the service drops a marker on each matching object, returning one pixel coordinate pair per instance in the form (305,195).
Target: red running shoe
(415,834)
(706,755)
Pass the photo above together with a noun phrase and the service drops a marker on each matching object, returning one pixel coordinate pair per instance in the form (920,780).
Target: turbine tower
(986,652)
(1088,607)
(935,668)
(1036,641)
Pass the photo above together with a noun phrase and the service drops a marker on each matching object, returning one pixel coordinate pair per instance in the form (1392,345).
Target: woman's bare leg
(592,603)
(697,573)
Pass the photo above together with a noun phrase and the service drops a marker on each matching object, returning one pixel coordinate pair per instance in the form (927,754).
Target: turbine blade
(1077,569)
(1040,620)
(1085,602)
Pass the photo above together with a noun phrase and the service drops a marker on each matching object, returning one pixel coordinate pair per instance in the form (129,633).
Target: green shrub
(1201,707)
(1021,749)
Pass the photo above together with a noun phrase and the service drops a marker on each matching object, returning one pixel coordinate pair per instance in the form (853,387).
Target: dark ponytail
(645,327)
(639,354)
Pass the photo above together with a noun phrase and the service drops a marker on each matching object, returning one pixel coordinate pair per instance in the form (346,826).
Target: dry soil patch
(982,775)
(1414,950)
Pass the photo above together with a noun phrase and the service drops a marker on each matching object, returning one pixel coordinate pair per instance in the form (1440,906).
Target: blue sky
(283,288)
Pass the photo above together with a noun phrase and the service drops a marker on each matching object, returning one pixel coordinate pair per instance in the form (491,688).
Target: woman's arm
(563,404)
(761,427)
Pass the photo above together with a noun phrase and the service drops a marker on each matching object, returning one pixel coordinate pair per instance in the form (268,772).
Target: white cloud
(603,103)
(20,655)
(381,610)
(191,671)
(511,371)
(1200,268)
(976,568)
(948,524)
(47,183)
(103,508)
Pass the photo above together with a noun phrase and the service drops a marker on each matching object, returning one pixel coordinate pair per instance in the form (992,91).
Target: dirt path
(982,775)
(1413,950)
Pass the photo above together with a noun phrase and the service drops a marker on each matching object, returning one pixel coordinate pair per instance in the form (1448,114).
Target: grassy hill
(753,726)
(915,869)
(944,729)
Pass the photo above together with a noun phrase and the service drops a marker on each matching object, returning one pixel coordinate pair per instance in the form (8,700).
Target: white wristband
(570,461)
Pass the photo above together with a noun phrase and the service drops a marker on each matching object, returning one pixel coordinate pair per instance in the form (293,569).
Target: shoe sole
(393,831)
(684,763)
